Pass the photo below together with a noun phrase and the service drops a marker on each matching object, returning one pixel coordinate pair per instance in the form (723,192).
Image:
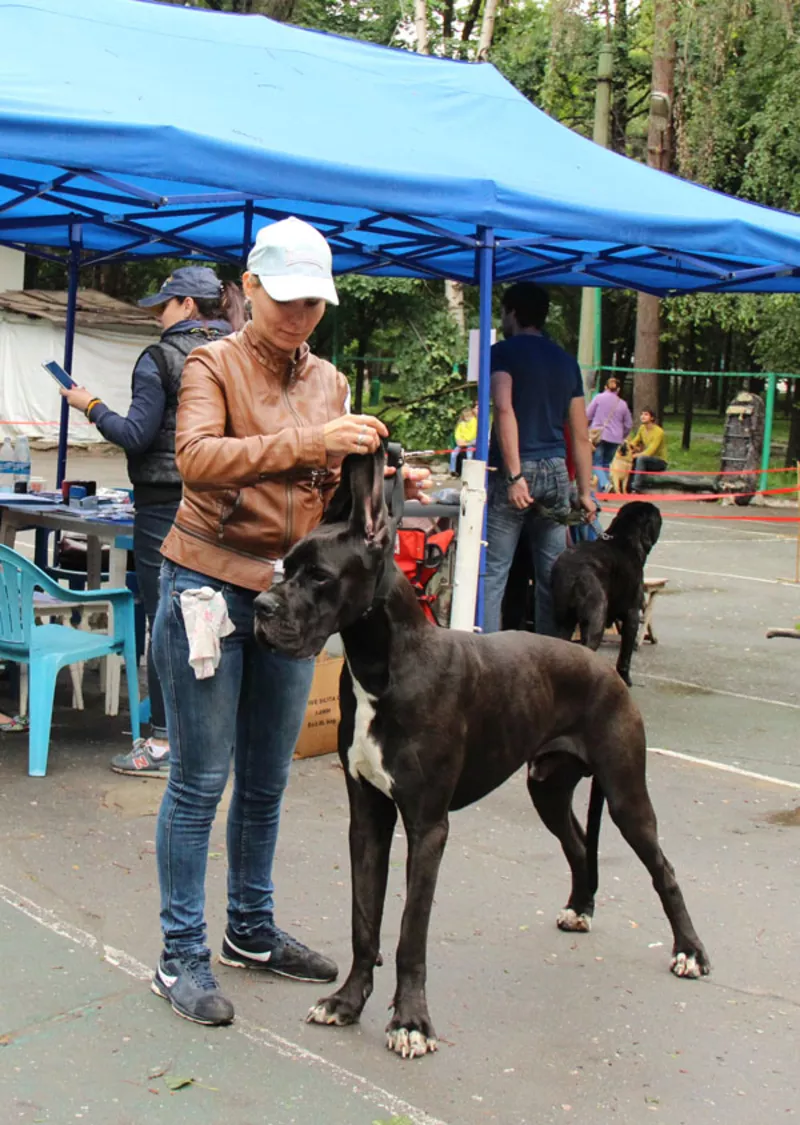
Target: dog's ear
(341,505)
(359,499)
(375,513)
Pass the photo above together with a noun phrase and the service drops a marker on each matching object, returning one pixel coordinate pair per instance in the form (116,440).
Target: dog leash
(395,459)
(572,518)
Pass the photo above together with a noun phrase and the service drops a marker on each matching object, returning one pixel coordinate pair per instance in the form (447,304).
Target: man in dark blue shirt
(537,390)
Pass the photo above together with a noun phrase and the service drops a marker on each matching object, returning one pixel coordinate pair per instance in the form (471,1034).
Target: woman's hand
(416,482)
(78,397)
(353,433)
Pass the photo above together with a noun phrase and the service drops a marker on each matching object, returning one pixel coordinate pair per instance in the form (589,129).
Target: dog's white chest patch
(364,758)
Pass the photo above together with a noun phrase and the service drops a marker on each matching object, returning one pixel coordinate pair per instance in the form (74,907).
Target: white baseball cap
(293,262)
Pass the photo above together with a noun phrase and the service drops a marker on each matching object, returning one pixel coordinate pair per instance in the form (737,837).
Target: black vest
(156,465)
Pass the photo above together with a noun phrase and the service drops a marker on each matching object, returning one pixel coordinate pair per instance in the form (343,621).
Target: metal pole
(467,607)
(598,335)
(769,410)
(247,233)
(73,273)
(590,338)
(485,281)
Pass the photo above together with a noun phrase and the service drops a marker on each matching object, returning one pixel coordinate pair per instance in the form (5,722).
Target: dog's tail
(595,815)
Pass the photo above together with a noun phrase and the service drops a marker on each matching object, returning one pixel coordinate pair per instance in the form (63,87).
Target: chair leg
(76,675)
(23,689)
(113,677)
(132,676)
(113,672)
(43,674)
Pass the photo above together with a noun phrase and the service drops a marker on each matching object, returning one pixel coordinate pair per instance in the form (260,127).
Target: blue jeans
(457,456)
(150,527)
(601,459)
(252,709)
(643,465)
(548,483)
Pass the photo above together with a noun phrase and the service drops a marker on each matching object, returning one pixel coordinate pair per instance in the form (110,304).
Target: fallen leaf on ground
(176,1083)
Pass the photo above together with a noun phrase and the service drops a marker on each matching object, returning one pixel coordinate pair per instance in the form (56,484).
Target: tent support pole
(247,237)
(73,273)
(769,412)
(467,607)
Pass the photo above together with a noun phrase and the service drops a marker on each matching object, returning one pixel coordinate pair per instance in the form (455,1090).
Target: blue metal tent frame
(381,243)
(115,143)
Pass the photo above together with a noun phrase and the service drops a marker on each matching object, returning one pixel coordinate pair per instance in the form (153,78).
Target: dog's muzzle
(266,606)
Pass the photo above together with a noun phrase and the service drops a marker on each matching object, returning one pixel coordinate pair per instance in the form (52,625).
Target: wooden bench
(652,587)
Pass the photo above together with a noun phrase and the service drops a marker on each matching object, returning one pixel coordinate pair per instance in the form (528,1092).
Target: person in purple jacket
(608,412)
(193,306)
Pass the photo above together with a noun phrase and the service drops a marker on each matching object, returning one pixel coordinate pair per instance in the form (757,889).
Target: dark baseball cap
(199,282)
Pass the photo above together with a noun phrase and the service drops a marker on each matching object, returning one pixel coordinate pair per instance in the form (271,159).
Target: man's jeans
(548,483)
(151,525)
(642,465)
(252,708)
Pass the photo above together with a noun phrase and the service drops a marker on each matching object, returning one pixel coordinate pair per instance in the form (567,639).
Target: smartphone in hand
(62,377)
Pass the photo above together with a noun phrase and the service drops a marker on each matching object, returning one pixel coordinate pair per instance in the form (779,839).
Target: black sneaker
(192,989)
(279,953)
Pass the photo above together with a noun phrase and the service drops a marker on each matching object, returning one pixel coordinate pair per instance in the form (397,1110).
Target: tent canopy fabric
(133,128)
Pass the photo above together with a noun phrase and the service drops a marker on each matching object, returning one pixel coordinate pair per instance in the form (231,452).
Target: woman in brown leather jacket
(262,428)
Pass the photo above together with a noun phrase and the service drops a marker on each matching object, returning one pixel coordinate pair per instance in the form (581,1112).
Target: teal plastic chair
(48,648)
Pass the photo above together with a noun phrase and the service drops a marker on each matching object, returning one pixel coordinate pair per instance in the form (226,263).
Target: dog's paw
(574,923)
(690,965)
(409,1044)
(332,1011)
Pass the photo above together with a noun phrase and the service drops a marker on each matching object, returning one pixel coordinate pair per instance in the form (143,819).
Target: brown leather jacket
(250,450)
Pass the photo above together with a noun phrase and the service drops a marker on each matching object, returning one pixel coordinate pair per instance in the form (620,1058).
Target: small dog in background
(621,468)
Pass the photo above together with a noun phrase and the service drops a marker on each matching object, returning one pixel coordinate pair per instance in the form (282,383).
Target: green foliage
(736,109)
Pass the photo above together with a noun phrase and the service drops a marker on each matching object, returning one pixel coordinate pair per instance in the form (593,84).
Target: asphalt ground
(535,1026)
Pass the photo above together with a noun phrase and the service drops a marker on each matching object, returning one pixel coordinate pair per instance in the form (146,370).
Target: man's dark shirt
(544,381)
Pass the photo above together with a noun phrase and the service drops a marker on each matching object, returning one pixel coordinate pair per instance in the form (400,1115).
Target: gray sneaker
(140,762)
(192,989)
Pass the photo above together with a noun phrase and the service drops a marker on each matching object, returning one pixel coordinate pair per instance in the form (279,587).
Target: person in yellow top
(466,434)
(650,446)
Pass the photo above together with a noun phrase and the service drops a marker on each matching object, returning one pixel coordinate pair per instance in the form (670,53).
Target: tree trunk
(487,29)
(659,155)
(421,25)
(793,447)
(648,321)
(620,93)
(454,295)
(688,411)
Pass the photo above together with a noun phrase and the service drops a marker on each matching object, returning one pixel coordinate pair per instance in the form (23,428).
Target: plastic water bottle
(7,465)
(22,468)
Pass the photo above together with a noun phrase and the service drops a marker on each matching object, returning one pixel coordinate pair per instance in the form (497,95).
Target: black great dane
(432,720)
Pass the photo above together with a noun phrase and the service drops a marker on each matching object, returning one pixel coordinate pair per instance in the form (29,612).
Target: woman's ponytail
(233,305)
(228,306)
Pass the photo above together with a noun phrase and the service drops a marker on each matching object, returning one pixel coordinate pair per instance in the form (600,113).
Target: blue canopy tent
(130,128)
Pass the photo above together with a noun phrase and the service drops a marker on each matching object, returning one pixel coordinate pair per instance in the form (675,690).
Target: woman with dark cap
(194,308)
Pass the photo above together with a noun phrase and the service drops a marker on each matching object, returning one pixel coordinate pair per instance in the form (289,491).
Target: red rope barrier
(695,497)
(735,518)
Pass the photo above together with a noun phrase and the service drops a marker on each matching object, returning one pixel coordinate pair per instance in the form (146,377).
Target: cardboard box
(321,725)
